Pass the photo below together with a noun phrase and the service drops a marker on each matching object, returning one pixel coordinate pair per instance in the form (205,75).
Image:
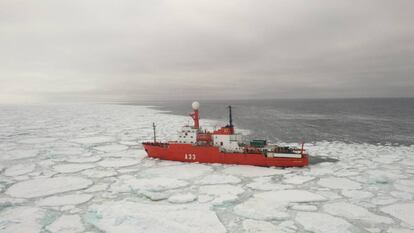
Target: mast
(153,128)
(230,117)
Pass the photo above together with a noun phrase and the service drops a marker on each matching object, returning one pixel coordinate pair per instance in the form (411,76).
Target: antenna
(153,128)
(230,117)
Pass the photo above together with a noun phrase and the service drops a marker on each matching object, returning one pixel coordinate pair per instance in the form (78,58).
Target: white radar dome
(196,105)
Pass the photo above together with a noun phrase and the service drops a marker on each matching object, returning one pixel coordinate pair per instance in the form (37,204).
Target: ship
(223,146)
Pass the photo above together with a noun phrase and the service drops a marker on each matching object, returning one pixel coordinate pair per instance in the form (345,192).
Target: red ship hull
(210,154)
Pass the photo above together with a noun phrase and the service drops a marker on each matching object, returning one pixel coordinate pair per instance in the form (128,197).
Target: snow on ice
(354,212)
(126,216)
(19,169)
(47,186)
(66,224)
(324,223)
(272,205)
(21,219)
(71,199)
(71,168)
(402,211)
(85,171)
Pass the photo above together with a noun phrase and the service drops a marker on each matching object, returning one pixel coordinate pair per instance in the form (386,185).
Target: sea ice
(354,212)
(126,216)
(252,171)
(130,153)
(221,193)
(99,173)
(47,186)
(371,183)
(402,195)
(219,179)
(97,188)
(266,184)
(67,224)
(185,171)
(182,198)
(338,183)
(83,159)
(155,196)
(402,211)
(255,226)
(399,230)
(18,154)
(6,201)
(258,206)
(405,185)
(68,150)
(298,179)
(37,140)
(356,194)
(94,140)
(71,199)
(132,184)
(19,169)
(21,219)
(112,162)
(112,148)
(301,207)
(71,168)
(324,223)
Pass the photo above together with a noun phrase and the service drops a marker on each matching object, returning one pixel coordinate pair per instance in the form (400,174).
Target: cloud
(134,50)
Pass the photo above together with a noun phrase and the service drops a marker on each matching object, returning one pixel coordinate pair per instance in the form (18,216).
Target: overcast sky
(95,50)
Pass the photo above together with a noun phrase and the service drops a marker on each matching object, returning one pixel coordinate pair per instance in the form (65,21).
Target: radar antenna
(230,117)
(153,128)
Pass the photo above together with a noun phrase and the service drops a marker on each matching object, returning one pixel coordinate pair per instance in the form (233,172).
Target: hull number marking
(190,156)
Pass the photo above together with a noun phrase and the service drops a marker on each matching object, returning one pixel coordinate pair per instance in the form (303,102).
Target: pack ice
(83,170)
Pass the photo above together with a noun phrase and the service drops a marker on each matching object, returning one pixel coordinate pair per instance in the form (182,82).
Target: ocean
(373,121)
(82,168)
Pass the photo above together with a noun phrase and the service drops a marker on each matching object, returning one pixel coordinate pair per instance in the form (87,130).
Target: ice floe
(21,219)
(19,169)
(338,183)
(402,211)
(132,184)
(71,199)
(71,168)
(267,184)
(37,140)
(112,148)
(356,194)
(221,193)
(99,173)
(19,154)
(354,212)
(94,140)
(324,223)
(219,179)
(298,179)
(126,216)
(255,226)
(186,171)
(47,186)
(182,198)
(112,162)
(83,159)
(251,171)
(258,206)
(304,207)
(67,224)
